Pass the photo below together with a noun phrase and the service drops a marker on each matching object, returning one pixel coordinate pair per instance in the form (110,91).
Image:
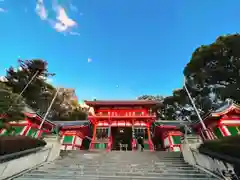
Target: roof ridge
(230,102)
(122,100)
(236,103)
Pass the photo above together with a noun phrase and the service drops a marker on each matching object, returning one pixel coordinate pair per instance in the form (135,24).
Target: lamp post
(49,108)
(196,110)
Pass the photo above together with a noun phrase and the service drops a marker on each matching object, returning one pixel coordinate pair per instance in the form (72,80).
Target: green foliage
(212,76)
(19,78)
(13,144)
(11,106)
(226,146)
(77,114)
(73,115)
(217,65)
(39,93)
(150,97)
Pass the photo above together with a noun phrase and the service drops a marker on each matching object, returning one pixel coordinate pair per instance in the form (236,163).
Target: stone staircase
(116,165)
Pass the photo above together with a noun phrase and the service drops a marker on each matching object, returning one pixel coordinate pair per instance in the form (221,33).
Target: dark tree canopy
(150,97)
(11,106)
(39,94)
(214,71)
(212,76)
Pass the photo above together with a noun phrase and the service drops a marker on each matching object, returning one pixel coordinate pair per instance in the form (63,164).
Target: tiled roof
(28,109)
(224,106)
(122,102)
(221,108)
(72,123)
(171,123)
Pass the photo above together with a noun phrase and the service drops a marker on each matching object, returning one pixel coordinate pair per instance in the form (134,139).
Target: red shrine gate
(119,123)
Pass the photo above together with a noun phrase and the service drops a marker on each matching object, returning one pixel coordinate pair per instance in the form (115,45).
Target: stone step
(81,166)
(112,178)
(126,175)
(92,158)
(160,170)
(120,164)
(121,173)
(117,160)
(121,168)
(117,165)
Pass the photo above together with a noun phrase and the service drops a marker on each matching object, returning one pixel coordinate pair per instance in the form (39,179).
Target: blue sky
(135,47)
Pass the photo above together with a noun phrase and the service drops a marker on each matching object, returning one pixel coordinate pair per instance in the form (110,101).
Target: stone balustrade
(17,163)
(206,163)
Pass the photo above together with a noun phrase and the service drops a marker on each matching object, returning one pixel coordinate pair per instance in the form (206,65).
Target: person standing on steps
(140,142)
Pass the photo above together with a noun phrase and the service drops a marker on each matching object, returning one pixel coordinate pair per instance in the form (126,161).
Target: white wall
(18,165)
(166,142)
(46,154)
(193,157)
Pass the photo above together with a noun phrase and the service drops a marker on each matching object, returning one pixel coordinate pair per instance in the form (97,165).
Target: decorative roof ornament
(227,106)
(229,103)
(91,111)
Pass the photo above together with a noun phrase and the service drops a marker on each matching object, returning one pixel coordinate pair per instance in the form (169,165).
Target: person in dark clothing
(154,140)
(140,142)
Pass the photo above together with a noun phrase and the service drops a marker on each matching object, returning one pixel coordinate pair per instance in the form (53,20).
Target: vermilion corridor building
(111,125)
(120,123)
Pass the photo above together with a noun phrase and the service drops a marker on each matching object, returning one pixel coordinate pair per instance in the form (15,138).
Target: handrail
(227,158)
(223,168)
(19,154)
(218,166)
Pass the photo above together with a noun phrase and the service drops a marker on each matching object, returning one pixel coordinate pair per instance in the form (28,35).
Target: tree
(213,72)
(77,114)
(150,97)
(3,86)
(10,108)
(178,106)
(19,78)
(33,74)
(157,108)
(67,107)
(212,76)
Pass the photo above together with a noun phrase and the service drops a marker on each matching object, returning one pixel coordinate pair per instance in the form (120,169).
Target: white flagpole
(196,110)
(49,108)
(24,89)
(29,82)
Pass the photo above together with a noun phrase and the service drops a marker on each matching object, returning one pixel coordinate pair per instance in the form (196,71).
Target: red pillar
(94,135)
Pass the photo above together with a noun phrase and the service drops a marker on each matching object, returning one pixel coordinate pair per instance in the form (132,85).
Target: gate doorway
(121,135)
